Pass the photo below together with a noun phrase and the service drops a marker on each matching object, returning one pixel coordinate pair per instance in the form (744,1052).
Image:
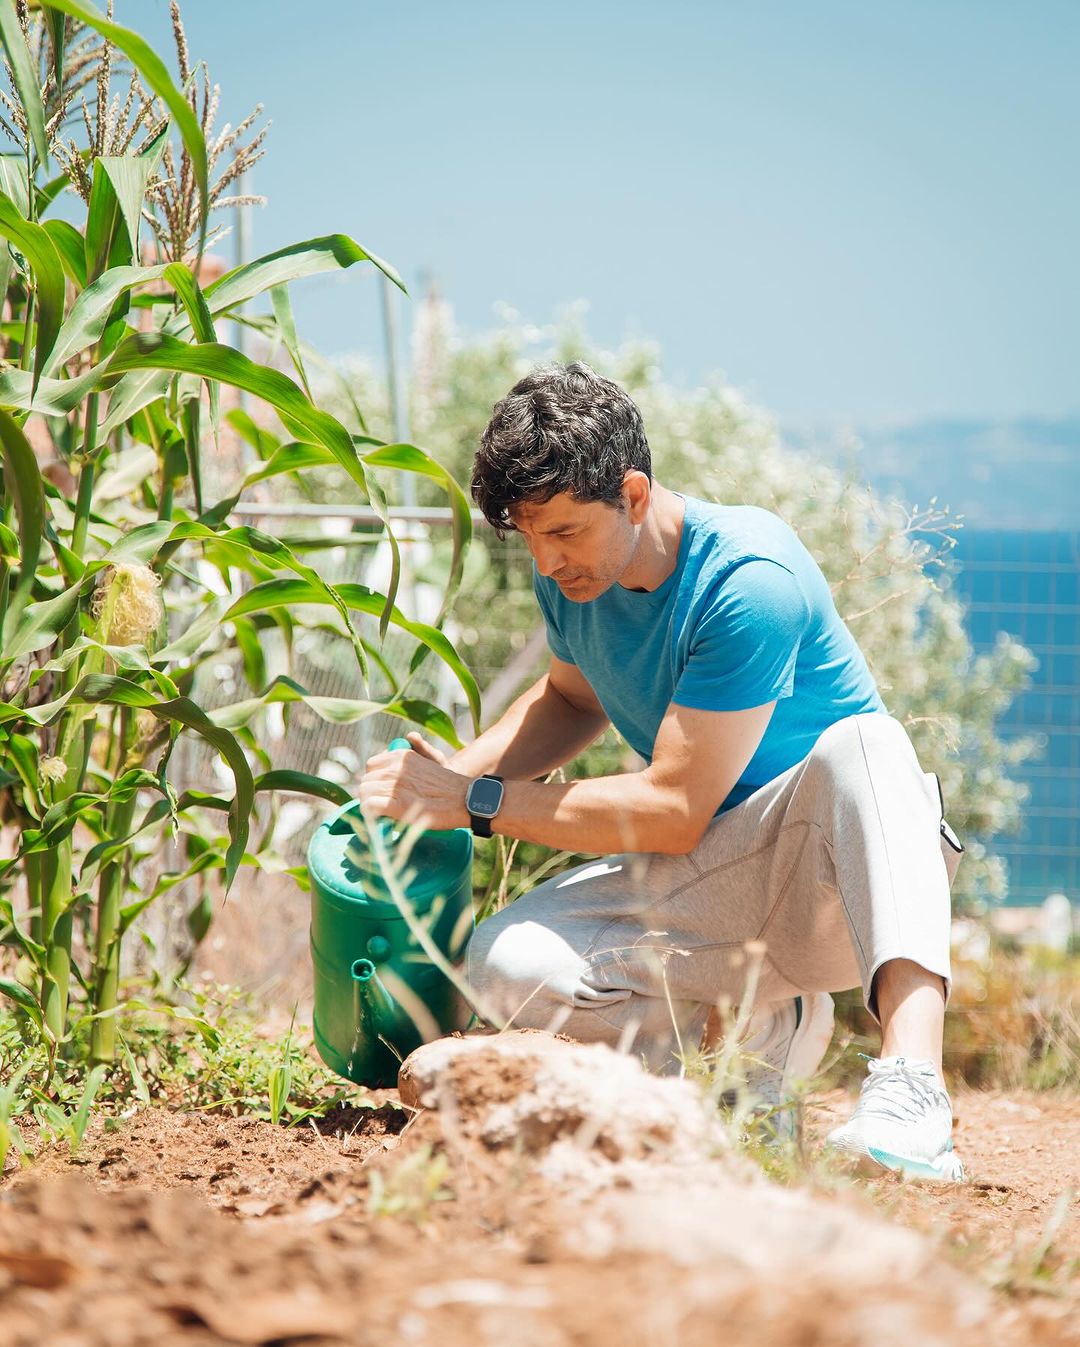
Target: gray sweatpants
(836,866)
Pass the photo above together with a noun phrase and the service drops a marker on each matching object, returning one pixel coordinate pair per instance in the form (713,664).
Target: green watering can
(378,995)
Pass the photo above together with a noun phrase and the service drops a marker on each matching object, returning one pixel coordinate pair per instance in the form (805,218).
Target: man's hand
(415,787)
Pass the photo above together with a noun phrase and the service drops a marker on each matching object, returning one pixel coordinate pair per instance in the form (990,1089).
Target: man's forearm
(630,812)
(538,732)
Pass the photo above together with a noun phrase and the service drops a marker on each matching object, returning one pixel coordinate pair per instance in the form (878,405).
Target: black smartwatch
(483,800)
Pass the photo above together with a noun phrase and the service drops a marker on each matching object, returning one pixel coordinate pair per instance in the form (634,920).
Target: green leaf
(101,688)
(202,323)
(209,360)
(286,593)
(206,625)
(329,253)
(337,710)
(201,916)
(408,458)
(82,1114)
(16,992)
(71,246)
(130,174)
(50,397)
(251,650)
(22,483)
(142,1094)
(282,306)
(156,76)
(41,623)
(263,441)
(40,251)
(280,1088)
(301,783)
(309,258)
(90,312)
(193,300)
(117,180)
(56,24)
(13,181)
(26,79)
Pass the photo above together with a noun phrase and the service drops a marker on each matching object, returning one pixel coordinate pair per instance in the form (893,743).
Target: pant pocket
(951,847)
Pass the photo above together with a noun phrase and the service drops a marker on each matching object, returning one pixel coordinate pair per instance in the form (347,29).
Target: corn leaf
(90,312)
(25,77)
(286,593)
(50,397)
(209,360)
(408,458)
(70,245)
(309,258)
(16,992)
(13,182)
(56,25)
(302,783)
(202,323)
(283,312)
(130,174)
(329,253)
(337,710)
(114,691)
(22,481)
(40,252)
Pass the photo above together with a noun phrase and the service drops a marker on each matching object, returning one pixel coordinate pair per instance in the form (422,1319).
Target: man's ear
(637,492)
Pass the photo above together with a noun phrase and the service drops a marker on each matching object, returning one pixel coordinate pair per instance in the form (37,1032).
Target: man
(780,803)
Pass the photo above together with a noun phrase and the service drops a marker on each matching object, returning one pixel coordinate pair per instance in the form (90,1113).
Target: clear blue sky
(853,209)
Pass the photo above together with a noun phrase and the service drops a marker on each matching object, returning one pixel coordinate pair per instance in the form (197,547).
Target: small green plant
(410,1188)
(1042,1266)
(211,1055)
(9,1135)
(281,1079)
(59,1124)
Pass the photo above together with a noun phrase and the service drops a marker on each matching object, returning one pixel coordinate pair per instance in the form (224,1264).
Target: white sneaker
(785,1044)
(902,1122)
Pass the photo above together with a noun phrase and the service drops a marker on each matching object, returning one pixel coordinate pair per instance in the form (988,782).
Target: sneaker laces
(900,1091)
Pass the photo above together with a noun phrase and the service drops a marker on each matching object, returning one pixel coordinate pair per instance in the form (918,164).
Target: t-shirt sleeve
(744,645)
(556,644)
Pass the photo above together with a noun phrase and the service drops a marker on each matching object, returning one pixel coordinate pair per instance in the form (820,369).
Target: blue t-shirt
(746,617)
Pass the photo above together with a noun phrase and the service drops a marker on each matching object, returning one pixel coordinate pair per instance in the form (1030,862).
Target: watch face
(484,797)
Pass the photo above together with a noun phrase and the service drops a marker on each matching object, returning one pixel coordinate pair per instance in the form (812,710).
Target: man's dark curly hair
(561,428)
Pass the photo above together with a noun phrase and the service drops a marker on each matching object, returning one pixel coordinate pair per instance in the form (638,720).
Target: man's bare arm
(548,725)
(697,759)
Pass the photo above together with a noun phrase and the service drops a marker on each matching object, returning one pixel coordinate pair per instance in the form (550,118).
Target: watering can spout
(373,1006)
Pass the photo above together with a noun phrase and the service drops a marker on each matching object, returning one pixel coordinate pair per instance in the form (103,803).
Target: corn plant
(113,367)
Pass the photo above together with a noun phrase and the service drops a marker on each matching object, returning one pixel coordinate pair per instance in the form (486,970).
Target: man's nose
(548,557)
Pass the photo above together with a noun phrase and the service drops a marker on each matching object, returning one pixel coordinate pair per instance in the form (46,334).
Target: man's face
(585,546)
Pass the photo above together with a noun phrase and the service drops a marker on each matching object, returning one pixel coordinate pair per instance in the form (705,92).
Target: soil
(189,1229)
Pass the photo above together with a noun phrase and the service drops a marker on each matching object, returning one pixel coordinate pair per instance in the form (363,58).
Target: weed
(411,1188)
(1042,1266)
(211,1054)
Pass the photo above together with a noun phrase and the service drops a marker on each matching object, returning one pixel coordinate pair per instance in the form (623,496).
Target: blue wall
(1028,584)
